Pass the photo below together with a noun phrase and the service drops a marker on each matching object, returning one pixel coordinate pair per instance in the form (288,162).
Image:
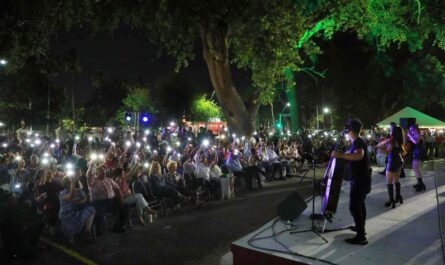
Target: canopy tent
(423,120)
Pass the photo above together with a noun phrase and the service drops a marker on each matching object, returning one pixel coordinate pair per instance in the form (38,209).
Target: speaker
(406,122)
(291,207)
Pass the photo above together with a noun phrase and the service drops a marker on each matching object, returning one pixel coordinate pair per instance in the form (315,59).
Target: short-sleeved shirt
(359,169)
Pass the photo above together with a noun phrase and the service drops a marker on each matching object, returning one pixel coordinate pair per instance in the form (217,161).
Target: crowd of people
(75,182)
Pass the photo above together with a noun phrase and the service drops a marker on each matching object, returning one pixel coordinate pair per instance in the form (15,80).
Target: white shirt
(202,171)
(215,172)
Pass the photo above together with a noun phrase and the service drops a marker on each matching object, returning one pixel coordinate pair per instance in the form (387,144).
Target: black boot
(420,185)
(391,201)
(399,197)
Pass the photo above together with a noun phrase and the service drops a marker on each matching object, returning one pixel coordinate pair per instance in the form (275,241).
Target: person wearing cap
(360,179)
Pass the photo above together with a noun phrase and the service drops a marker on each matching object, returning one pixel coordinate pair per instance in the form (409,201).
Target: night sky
(128,55)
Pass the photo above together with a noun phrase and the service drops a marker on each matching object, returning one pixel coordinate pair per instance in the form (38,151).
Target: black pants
(121,212)
(253,172)
(357,205)
(277,166)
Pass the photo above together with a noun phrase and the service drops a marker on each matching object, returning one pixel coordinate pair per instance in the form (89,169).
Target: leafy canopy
(203,109)
(265,37)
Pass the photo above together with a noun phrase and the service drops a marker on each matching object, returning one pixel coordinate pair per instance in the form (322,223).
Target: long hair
(397,136)
(155,169)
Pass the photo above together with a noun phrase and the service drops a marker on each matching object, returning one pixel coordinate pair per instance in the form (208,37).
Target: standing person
(418,155)
(394,166)
(360,179)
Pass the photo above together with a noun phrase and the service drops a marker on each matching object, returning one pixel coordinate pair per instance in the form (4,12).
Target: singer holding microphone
(357,158)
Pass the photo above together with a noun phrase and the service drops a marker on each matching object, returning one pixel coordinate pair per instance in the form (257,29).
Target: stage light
(127,143)
(147,132)
(145,118)
(169,149)
(205,143)
(37,142)
(27,140)
(138,144)
(172,124)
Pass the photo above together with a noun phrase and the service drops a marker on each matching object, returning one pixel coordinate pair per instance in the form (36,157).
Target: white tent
(422,119)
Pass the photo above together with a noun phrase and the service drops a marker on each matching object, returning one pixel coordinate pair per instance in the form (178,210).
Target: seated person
(74,214)
(202,171)
(233,163)
(106,197)
(160,188)
(130,198)
(274,159)
(227,183)
(50,187)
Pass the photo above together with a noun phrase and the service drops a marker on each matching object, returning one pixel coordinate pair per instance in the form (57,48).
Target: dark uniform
(360,186)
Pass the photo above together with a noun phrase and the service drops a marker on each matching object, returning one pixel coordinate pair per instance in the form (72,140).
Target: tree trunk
(240,118)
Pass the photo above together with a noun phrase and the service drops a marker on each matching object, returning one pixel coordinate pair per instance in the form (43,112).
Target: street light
(327,110)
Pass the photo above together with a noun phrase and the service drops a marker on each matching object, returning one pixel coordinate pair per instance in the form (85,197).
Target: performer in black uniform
(395,164)
(360,179)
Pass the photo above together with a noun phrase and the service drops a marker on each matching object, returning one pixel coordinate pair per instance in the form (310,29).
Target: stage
(408,234)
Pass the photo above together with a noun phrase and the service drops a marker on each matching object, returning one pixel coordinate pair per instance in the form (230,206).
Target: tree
(203,109)
(265,37)
(138,99)
(174,95)
(73,66)
(107,99)
(24,96)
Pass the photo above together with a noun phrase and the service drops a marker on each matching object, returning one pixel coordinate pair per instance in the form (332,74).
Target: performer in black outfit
(395,164)
(360,179)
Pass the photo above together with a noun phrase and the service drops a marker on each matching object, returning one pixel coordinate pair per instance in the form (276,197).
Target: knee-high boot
(399,197)
(391,201)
